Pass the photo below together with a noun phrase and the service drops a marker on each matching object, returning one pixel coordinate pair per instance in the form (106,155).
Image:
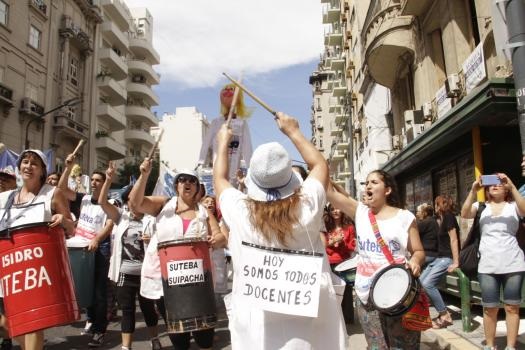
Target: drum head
(347,264)
(390,287)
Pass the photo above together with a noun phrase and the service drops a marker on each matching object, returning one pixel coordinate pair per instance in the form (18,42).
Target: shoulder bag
(469,254)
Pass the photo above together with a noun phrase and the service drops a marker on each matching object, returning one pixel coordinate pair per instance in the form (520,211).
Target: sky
(275,44)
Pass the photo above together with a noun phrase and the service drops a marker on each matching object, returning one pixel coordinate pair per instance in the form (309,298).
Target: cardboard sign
(19,216)
(185,272)
(280,280)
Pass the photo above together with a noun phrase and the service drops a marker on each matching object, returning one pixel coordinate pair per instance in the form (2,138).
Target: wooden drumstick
(80,143)
(233,106)
(249,93)
(156,144)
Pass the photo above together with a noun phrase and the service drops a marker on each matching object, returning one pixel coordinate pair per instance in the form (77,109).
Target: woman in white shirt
(277,222)
(501,260)
(399,231)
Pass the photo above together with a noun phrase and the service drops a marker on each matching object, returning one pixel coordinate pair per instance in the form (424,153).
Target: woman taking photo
(447,259)
(179,217)
(339,240)
(398,229)
(501,262)
(32,165)
(281,215)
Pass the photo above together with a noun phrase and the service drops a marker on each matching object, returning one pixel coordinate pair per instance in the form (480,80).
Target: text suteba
(17,281)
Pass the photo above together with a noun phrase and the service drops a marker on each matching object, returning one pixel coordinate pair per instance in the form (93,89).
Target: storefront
(441,159)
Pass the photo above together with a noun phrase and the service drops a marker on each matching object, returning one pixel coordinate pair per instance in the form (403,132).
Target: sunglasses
(191,179)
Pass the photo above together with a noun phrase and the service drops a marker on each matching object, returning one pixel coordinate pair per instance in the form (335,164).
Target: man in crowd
(95,229)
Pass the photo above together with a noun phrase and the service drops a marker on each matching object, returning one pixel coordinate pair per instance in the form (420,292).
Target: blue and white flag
(164,185)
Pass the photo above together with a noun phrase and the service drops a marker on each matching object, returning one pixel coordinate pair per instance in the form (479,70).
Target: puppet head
(76,171)
(226,96)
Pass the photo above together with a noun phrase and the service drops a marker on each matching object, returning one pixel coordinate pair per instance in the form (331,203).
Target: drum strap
(380,240)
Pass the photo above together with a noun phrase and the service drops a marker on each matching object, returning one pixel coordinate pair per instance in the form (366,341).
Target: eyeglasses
(191,179)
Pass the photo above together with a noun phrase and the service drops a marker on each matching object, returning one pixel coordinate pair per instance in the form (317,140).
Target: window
(4,12)
(2,72)
(35,36)
(73,71)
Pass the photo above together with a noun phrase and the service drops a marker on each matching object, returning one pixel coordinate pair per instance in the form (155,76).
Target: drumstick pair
(251,94)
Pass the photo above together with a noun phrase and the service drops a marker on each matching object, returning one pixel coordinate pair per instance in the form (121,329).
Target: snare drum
(394,290)
(347,270)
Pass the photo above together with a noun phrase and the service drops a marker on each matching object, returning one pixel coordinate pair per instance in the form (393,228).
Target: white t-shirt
(252,328)
(371,258)
(92,219)
(499,250)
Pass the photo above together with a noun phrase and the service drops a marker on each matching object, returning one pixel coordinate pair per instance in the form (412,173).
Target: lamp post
(71,102)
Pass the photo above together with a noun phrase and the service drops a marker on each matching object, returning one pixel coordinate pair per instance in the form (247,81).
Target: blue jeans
(491,284)
(430,278)
(97,313)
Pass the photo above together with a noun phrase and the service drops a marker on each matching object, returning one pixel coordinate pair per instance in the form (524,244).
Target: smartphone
(489,180)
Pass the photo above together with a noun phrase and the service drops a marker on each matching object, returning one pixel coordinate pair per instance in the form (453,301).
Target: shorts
(491,284)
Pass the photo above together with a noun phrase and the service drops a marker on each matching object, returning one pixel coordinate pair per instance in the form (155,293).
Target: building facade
(183,136)
(432,99)
(95,50)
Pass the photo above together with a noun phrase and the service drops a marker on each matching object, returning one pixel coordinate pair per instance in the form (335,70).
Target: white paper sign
(474,68)
(443,102)
(280,280)
(185,272)
(19,216)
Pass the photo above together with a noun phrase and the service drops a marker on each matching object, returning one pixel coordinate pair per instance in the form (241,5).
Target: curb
(449,340)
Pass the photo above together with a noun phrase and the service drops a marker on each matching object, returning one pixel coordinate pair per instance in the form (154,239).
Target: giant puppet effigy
(234,111)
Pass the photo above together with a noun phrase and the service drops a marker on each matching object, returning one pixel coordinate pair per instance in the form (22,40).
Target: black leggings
(126,300)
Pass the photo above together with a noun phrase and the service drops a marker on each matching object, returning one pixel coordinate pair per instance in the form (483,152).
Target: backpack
(469,254)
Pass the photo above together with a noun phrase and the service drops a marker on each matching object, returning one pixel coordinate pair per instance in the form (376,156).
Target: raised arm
(346,204)
(221,165)
(145,204)
(313,158)
(62,182)
(518,198)
(468,211)
(110,210)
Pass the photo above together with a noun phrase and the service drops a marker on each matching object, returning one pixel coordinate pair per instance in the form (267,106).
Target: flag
(8,158)
(164,185)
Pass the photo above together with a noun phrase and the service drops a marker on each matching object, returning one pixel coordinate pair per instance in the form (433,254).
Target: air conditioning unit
(320,126)
(413,117)
(140,31)
(414,131)
(25,105)
(453,85)
(427,110)
(397,142)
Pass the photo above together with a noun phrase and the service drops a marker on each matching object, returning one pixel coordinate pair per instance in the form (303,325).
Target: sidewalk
(454,338)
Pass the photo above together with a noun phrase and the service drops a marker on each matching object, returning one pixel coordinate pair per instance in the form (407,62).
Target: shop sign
(474,69)
(444,104)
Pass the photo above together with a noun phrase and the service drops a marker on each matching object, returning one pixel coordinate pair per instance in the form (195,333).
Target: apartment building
(46,58)
(124,80)
(330,118)
(98,51)
(432,99)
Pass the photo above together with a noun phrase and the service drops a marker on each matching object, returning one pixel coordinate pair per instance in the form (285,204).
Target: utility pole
(515,15)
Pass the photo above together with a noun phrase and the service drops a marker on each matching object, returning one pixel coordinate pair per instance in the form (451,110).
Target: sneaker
(87,328)
(155,344)
(97,340)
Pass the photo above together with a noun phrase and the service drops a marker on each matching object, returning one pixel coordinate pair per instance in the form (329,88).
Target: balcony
(335,105)
(339,87)
(70,30)
(118,11)
(343,145)
(113,118)
(139,136)
(142,48)
(141,114)
(144,68)
(395,38)
(115,63)
(144,92)
(339,118)
(338,156)
(333,37)
(337,63)
(116,93)
(115,36)
(6,97)
(415,7)
(335,129)
(111,147)
(345,173)
(332,13)
(64,126)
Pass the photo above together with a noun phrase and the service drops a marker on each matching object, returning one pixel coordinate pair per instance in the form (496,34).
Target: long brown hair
(275,220)
(445,204)
(329,221)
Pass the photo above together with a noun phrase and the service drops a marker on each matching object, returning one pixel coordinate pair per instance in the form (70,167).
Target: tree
(129,170)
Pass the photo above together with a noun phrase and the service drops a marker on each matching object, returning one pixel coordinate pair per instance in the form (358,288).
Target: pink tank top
(185,224)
